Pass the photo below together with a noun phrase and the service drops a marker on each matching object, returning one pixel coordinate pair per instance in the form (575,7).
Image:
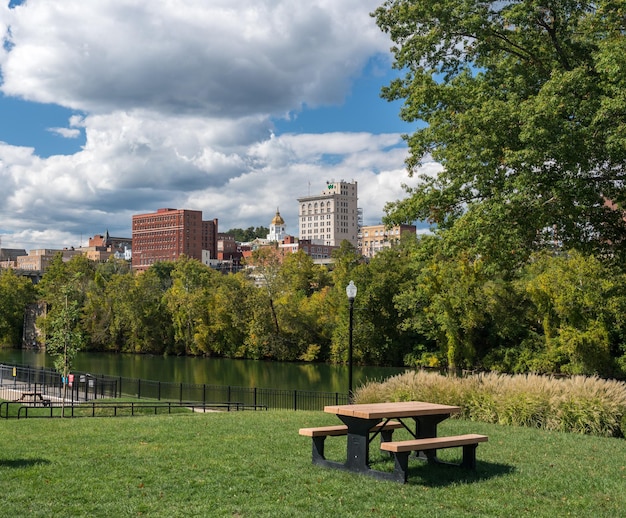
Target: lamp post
(351,293)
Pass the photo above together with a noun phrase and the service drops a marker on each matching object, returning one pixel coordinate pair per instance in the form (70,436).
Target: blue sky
(29,124)
(232,107)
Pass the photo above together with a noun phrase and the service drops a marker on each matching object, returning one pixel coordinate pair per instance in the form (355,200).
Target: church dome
(278,220)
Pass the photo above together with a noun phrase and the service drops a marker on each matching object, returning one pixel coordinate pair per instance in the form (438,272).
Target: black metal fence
(87,387)
(16,380)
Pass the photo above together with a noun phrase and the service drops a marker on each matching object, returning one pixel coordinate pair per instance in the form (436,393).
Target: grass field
(251,464)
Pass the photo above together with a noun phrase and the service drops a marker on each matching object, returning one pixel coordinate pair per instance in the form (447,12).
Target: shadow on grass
(445,473)
(438,475)
(21,463)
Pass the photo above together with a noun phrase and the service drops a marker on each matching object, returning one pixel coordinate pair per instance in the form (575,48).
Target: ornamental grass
(579,404)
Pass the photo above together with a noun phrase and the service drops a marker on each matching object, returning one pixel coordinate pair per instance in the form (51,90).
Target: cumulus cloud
(224,58)
(177,101)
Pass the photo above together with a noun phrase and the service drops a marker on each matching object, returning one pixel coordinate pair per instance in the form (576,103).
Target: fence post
(204,393)
(295,400)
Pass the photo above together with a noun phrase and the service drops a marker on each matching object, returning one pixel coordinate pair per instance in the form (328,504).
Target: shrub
(579,404)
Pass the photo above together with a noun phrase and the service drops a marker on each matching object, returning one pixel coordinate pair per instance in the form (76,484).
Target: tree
(581,304)
(187,302)
(146,312)
(523,105)
(388,274)
(15,294)
(299,273)
(250,234)
(108,312)
(224,331)
(65,337)
(266,263)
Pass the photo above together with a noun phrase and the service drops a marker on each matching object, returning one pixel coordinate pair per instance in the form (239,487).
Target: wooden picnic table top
(390,410)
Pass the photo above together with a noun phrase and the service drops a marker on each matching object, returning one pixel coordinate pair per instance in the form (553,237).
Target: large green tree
(187,300)
(523,105)
(580,303)
(15,294)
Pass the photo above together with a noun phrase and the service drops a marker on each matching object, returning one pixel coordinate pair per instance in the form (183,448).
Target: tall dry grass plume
(580,404)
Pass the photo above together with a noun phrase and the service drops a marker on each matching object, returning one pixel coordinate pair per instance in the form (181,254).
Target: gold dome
(278,220)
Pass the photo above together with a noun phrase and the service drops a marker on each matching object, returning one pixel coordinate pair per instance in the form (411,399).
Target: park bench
(402,449)
(319,434)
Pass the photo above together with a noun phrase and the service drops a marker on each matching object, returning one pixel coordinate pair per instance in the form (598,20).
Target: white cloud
(224,58)
(66,132)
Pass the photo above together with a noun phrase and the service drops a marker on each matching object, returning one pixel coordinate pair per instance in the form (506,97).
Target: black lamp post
(351,293)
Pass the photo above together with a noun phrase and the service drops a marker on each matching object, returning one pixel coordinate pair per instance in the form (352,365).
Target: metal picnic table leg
(357,458)
(426,428)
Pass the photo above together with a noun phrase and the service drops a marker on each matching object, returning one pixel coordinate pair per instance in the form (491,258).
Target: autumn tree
(522,103)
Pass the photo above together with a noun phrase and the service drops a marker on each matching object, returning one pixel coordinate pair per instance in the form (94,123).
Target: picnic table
(34,398)
(363,422)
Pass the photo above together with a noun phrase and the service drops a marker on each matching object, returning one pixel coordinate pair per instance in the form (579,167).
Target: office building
(330,217)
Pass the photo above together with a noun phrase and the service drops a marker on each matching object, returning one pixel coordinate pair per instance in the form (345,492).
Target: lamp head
(351,291)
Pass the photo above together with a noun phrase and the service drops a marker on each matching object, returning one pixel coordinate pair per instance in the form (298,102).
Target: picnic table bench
(402,449)
(319,434)
(34,398)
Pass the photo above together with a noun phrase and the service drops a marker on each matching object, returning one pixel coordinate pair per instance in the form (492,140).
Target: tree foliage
(65,337)
(420,303)
(249,234)
(15,294)
(523,106)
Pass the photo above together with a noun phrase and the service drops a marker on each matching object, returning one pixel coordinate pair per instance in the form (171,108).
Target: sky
(110,108)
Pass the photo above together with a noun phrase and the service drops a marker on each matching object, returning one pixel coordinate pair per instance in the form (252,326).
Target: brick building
(167,234)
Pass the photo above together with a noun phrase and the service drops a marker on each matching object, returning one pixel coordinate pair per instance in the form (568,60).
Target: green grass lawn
(250,464)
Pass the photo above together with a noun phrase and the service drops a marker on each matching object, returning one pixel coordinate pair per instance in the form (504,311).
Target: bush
(588,405)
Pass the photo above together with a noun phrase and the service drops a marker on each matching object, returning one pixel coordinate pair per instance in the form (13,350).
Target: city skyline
(233,109)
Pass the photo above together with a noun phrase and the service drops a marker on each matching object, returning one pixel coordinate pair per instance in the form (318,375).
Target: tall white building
(332,216)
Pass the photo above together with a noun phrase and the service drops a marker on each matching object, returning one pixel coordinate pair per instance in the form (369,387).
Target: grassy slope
(252,464)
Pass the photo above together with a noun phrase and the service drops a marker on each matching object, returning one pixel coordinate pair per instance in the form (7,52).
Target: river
(211,371)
